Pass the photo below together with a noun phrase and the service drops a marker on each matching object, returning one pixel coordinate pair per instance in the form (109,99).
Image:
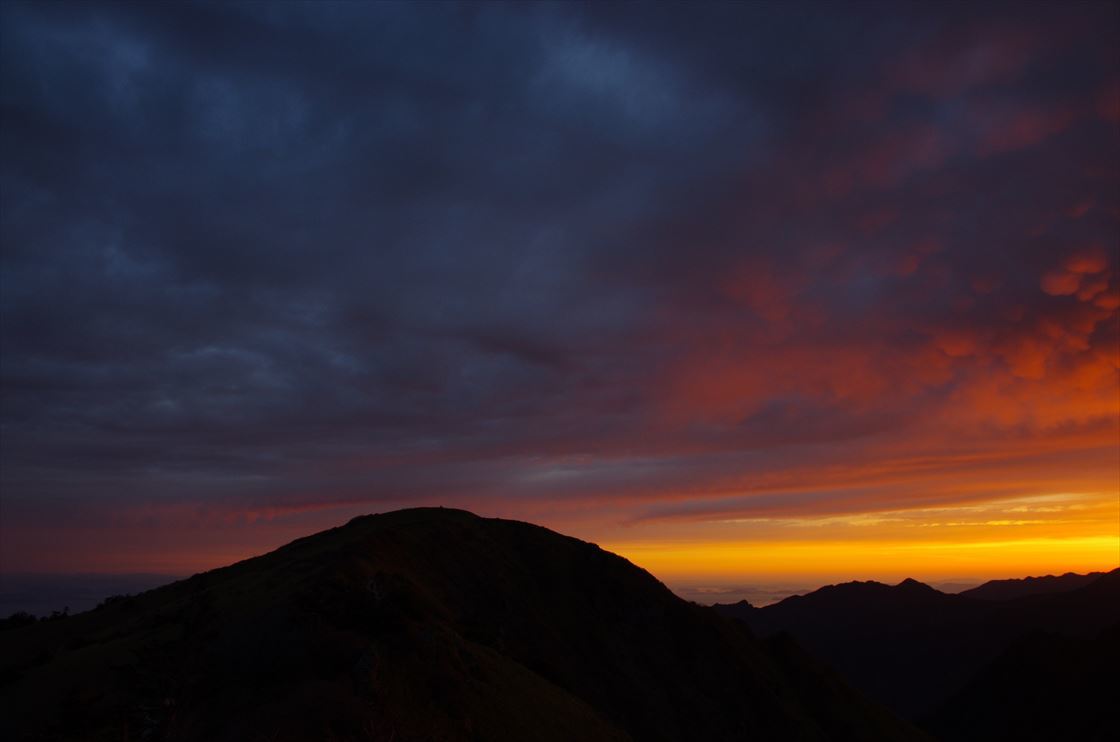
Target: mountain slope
(1044,687)
(911,646)
(420,624)
(1048,585)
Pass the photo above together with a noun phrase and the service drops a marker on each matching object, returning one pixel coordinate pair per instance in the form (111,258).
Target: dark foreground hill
(425,624)
(918,650)
(1043,687)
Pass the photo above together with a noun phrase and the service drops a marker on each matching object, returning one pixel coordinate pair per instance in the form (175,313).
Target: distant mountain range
(938,658)
(426,624)
(1048,585)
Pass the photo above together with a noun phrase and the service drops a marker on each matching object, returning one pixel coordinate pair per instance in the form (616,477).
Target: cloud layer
(266,264)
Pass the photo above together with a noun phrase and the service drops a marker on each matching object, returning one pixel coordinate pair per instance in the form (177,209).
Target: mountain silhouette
(423,624)
(911,646)
(1048,585)
(1044,687)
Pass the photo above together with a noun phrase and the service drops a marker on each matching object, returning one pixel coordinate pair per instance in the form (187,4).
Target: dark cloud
(286,255)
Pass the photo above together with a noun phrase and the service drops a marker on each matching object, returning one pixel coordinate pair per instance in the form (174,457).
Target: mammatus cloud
(265,266)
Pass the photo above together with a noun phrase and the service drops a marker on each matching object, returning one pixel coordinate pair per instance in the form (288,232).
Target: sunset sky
(749,293)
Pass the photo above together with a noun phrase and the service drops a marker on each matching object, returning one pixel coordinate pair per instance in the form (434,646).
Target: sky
(748,293)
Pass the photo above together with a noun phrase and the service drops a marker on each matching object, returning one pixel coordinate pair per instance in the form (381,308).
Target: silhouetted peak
(912,585)
(852,586)
(742,610)
(437,512)
(505,621)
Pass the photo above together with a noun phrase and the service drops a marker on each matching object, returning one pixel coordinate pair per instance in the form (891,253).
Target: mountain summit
(421,624)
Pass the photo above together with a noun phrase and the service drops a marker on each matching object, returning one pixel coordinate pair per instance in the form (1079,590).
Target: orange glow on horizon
(1018,537)
(841,561)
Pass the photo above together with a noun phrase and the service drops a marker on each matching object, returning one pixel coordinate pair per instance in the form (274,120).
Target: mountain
(1043,687)
(1048,585)
(911,646)
(424,624)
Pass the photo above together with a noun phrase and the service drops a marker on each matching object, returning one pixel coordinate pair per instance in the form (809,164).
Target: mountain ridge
(876,634)
(421,624)
(1021,587)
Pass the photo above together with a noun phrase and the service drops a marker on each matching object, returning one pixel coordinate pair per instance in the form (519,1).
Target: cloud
(275,263)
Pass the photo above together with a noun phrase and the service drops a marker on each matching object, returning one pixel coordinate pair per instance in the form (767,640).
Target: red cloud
(1061,283)
(1093,259)
(1006,130)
